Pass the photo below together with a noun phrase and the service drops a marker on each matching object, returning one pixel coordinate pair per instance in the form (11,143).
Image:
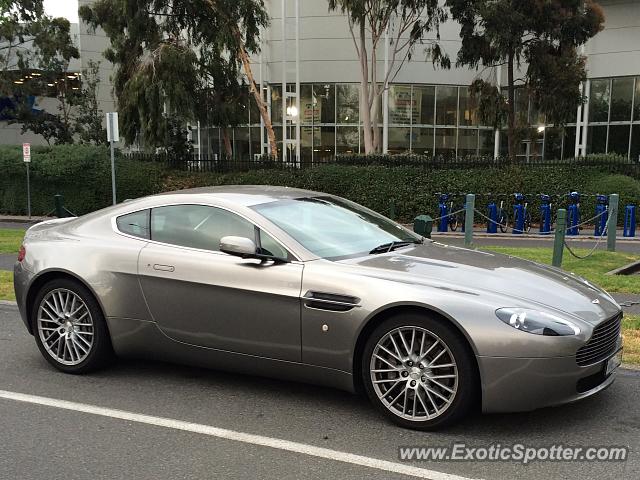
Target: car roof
(247,195)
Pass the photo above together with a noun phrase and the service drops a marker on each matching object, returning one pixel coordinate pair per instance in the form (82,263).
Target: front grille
(602,343)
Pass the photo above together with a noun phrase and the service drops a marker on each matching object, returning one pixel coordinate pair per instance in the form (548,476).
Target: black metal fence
(214,163)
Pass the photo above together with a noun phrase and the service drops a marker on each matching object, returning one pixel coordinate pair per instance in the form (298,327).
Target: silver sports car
(308,286)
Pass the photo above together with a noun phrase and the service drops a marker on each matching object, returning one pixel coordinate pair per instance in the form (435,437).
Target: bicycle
(454,219)
(521,201)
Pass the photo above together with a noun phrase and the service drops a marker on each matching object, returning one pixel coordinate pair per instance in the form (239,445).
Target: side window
(197,226)
(136,224)
(271,247)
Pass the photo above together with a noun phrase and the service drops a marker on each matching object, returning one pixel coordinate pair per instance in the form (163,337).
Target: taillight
(22,253)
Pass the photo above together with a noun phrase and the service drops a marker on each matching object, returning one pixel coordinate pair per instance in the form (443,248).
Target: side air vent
(332,302)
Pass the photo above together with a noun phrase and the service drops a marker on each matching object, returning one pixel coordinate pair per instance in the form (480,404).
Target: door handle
(163,268)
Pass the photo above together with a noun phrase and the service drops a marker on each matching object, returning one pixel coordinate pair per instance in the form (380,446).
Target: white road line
(249,438)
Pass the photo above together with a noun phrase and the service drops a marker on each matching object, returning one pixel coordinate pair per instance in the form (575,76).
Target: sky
(62,8)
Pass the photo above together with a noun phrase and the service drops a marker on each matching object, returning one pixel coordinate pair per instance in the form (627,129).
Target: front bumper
(524,384)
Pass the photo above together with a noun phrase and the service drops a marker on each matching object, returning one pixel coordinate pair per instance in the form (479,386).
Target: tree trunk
(365,94)
(511,110)
(262,107)
(377,140)
(228,151)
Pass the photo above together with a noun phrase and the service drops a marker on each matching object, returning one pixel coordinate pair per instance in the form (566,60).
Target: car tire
(69,327)
(425,379)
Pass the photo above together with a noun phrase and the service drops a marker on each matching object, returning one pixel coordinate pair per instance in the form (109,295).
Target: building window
(621,99)
(468,114)
(400,105)
(347,103)
(424,100)
(347,140)
(619,138)
(597,139)
(399,139)
(599,100)
(467,142)
(446,105)
(445,142)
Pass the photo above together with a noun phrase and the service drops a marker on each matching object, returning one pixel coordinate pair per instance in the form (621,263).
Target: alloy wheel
(414,374)
(65,326)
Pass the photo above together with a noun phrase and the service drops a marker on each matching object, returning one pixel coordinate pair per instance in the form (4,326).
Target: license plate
(614,362)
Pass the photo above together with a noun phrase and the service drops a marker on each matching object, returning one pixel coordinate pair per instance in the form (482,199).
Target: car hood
(507,276)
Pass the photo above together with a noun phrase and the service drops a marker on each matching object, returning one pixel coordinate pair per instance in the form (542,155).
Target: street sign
(26,152)
(113,135)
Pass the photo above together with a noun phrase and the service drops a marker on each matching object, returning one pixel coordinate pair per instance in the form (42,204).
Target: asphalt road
(46,441)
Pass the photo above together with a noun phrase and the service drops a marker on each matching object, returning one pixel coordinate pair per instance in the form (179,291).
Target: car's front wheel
(419,371)
(69,327)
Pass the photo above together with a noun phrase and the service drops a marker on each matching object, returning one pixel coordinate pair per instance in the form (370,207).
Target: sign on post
(26,152)
(113,136)
(26,157)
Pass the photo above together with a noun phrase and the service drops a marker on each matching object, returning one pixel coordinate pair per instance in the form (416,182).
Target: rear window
(136,224)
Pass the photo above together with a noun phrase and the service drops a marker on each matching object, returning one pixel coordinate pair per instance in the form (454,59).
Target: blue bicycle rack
(492,224)
(602,209)
(443,211)
(518,214)
(545,214)
(573,214)
(629,221)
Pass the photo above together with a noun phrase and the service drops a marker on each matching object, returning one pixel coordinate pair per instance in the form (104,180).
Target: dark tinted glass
(136,224)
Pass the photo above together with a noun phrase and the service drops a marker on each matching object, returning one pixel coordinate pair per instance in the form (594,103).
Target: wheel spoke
(444,387)
(388,352)
(404,342)
(385,361)
(429,350)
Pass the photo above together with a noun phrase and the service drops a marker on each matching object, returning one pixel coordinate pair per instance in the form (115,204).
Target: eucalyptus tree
(166,53)
(538,43)
(407,23)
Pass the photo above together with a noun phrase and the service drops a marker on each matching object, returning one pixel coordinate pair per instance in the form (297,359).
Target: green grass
(10,240)
(6,286)
(592,268)
(631,334)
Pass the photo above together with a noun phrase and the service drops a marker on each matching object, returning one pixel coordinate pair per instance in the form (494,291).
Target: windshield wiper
(387,247)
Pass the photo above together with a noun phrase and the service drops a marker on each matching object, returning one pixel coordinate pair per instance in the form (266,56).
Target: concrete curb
(8,302)
(627,269)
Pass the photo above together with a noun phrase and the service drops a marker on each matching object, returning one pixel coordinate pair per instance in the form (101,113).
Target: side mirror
(238,246)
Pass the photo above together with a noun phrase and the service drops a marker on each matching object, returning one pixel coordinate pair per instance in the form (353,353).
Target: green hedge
(82,175)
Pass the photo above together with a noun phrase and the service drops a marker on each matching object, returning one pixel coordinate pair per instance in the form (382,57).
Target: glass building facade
(434,120)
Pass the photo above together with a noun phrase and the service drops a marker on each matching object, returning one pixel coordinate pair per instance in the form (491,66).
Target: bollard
(545,214)
(629,221)
(423,225)
(470,206)
(59,201)
(558,243)
(612,231)
(392,209)
(601,209)
(492,224)
(443,223)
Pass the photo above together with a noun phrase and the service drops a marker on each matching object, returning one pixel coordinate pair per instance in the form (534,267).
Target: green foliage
(30,39)
(158,73)
(542,39)
(88,118)
(82,174)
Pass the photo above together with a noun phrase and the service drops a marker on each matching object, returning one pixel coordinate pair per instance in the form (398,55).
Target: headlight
(539,323)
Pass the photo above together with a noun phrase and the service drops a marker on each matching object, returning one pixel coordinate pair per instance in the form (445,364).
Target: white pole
(298,82)
(261,86)
(496,139)
(582,148)
(385,96)
(284,81)
(113,162)
(199,143)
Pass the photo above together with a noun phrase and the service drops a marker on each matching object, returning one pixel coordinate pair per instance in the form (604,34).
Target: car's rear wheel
(419,371)
(69,327)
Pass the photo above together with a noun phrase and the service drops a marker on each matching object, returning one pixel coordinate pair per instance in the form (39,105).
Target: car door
(201,296)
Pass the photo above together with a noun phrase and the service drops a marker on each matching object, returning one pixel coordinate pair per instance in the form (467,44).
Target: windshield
(333,228)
